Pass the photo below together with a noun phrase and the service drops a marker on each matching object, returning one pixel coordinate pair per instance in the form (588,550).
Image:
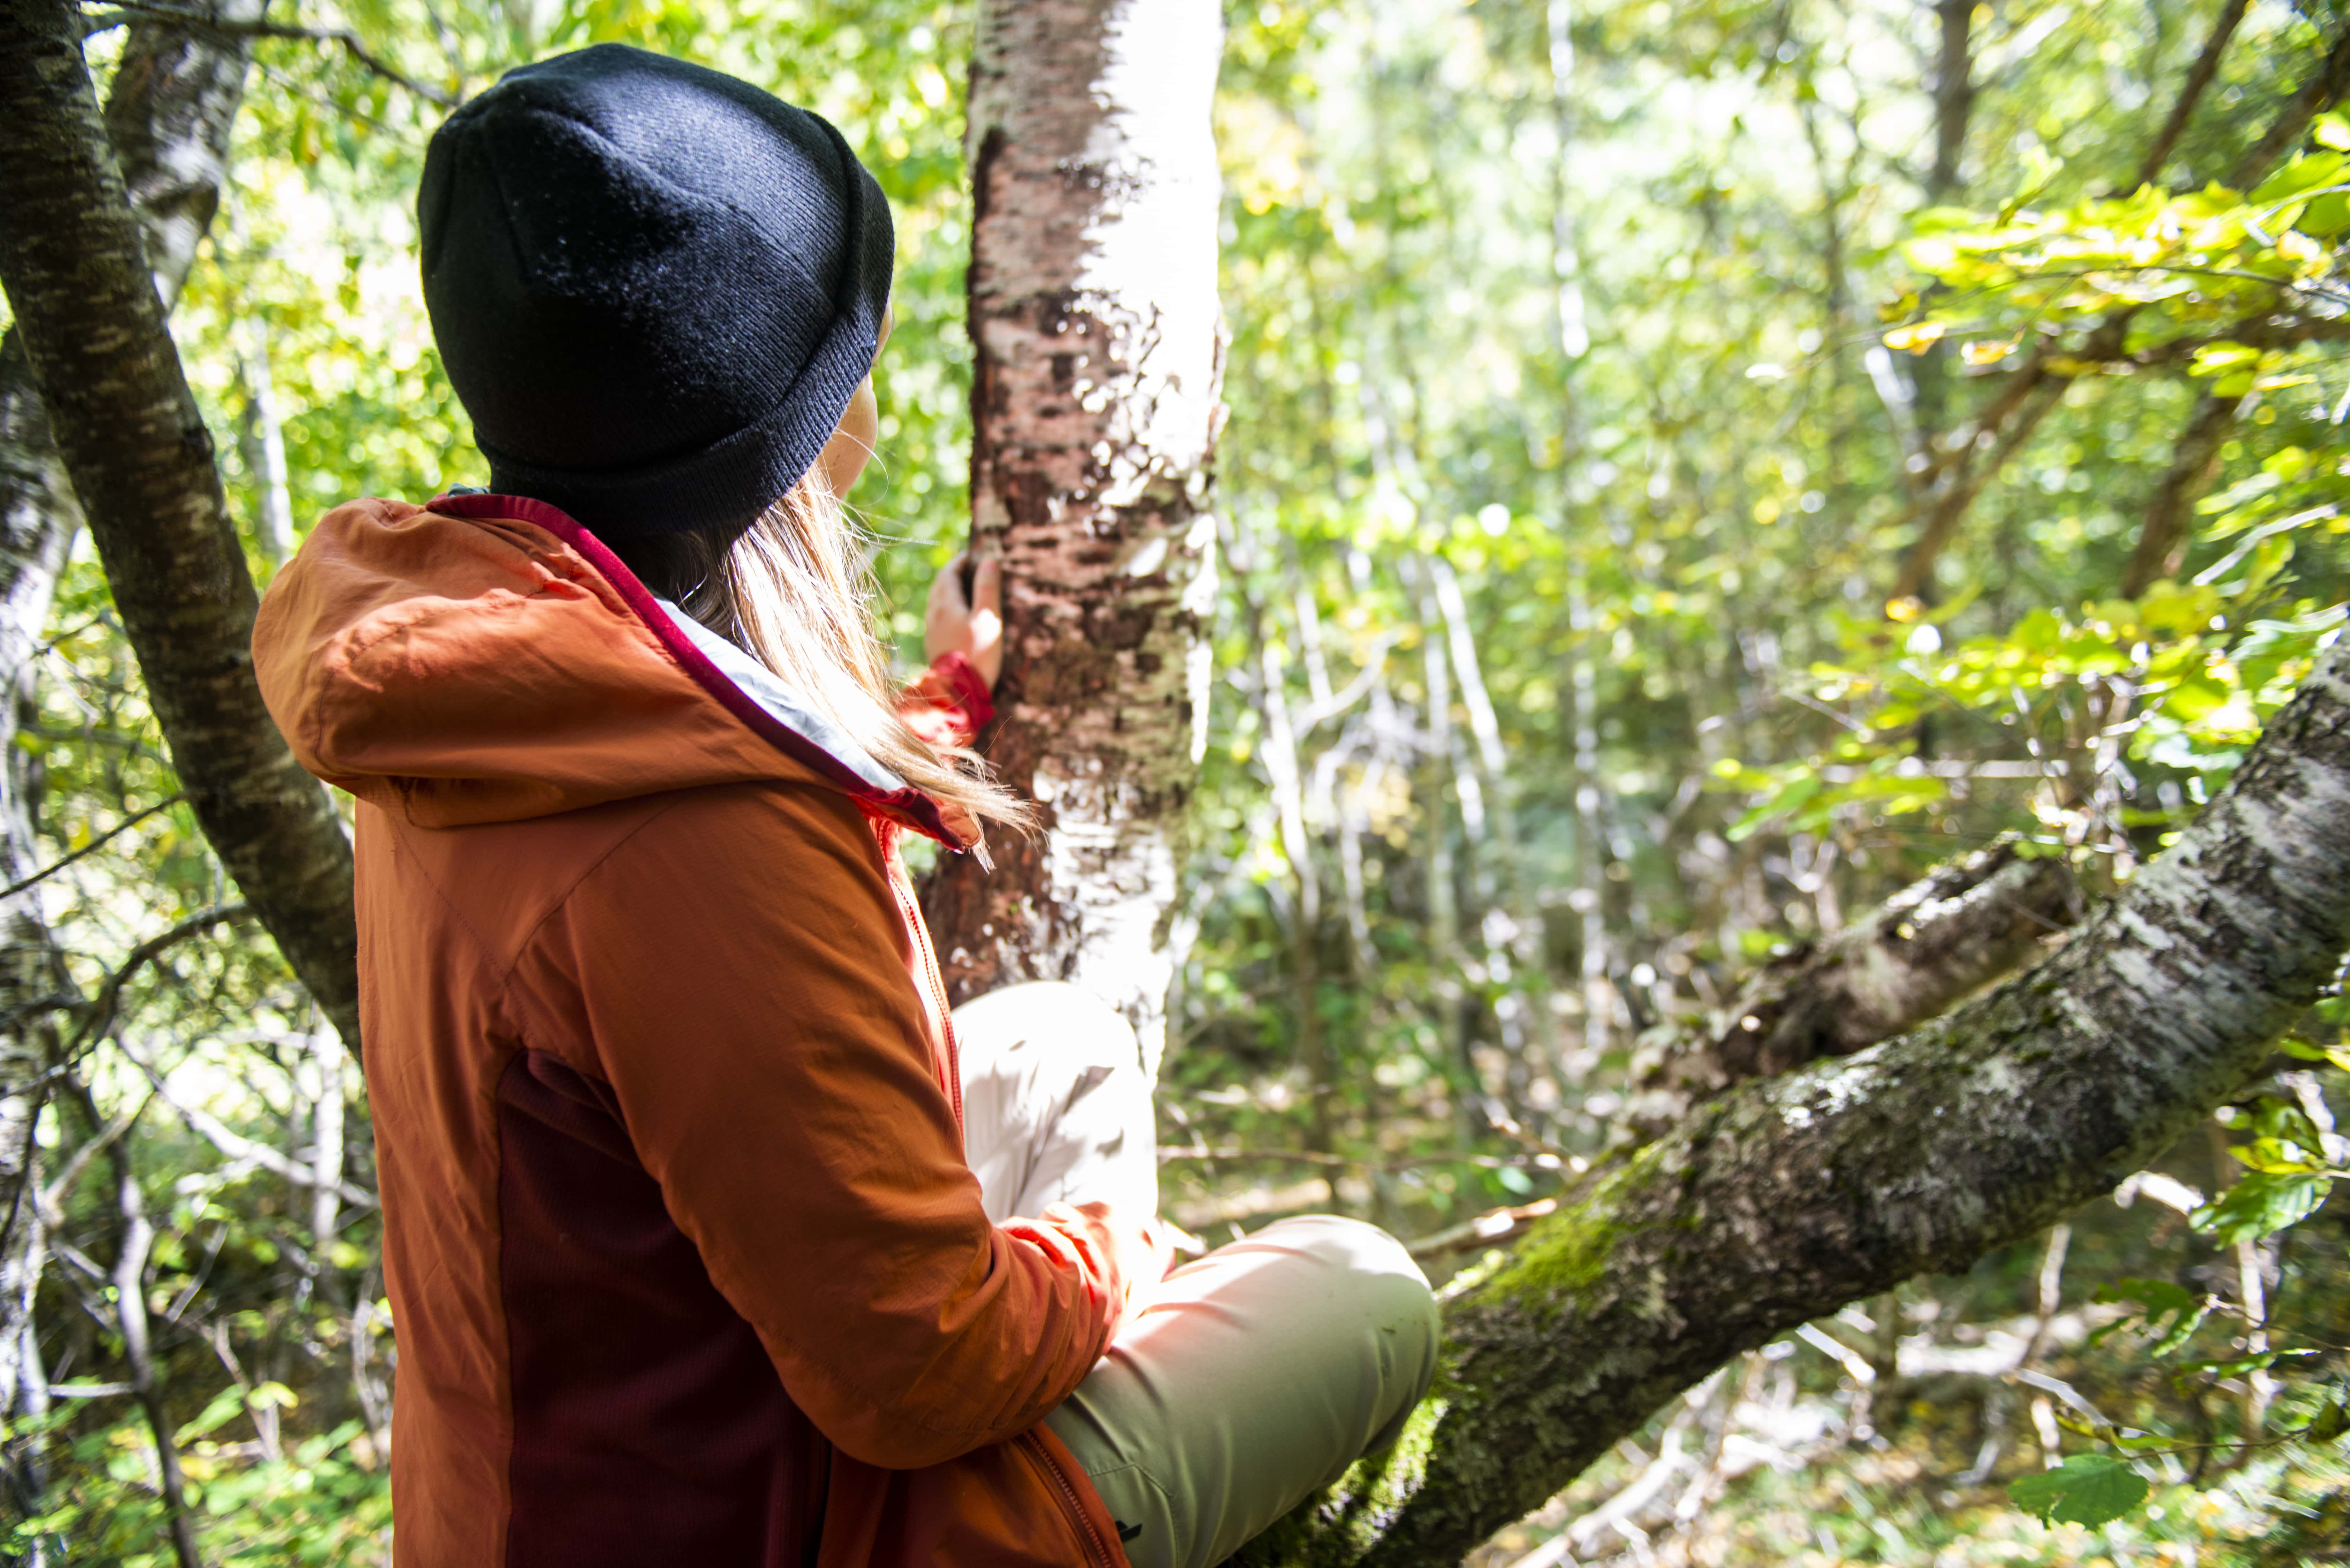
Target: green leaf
(2240,1365)
(1789,798)
(2087,1489)
(2326,216)
(2170,1313)
(2261,1205)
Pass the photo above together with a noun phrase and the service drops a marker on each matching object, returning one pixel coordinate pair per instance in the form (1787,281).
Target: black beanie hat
(655,287)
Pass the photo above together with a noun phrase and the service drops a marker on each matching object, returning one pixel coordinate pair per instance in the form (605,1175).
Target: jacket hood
(485,658)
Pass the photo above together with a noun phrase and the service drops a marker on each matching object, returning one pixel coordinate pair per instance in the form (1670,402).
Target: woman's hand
(1145,1251)
(973,626)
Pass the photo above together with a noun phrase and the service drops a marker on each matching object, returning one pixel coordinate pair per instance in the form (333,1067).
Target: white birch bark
(1095,410)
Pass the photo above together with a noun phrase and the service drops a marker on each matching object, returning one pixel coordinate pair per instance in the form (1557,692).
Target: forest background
(1690,471)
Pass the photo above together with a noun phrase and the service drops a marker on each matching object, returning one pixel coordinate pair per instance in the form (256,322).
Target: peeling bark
(1786,1198)
(168,117)
(1094,407)
(142,461)
(1965,924)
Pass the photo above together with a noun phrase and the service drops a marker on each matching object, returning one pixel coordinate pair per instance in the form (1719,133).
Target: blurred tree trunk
(1783,1199)
(1094,404)
(175,95)
(141,460)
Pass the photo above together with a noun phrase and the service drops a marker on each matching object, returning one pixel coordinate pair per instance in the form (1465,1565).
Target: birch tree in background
(1099,361)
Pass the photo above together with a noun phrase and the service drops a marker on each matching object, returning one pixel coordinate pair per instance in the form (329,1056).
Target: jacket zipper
(1095,1551)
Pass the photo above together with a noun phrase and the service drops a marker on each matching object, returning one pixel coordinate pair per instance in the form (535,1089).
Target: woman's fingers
(986,652)
(970,625)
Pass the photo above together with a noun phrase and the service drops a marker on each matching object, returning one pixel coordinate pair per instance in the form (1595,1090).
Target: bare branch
(202,22)
(2035,392)
(2191,93)
(92,847)
(107,1001)
(2162,541)
(239,1148)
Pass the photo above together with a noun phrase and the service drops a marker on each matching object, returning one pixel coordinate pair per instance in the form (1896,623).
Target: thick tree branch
(1784,1199)
(142,462)
(1965,924)
(1946,504)
(2162,541)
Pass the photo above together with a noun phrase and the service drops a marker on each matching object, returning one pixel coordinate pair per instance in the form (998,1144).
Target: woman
(711,1238)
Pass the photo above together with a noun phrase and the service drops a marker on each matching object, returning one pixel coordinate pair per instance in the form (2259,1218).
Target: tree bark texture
(1094,403)
(1786,1198)
(141,460)
(168,116)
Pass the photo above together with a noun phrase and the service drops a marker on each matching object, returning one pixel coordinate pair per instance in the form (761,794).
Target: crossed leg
(1259,1372)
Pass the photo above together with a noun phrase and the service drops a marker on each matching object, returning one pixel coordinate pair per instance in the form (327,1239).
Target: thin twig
(350,42)
(1490,1229)
(104,1005)
(92,847)
(237,1147)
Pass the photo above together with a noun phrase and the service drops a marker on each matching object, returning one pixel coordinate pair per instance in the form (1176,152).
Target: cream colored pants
(1259,1372)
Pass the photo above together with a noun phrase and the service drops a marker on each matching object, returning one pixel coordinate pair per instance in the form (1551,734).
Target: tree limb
(2191,93)
(2324,86)
(2162,541)
(1784,1199)
(142,462)
(92,847)
(108,1000)
(229,28)
(239,1148)
(1965,924)
(2035,392)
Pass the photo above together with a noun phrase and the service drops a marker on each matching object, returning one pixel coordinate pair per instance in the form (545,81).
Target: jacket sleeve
(740,965)
(949,703)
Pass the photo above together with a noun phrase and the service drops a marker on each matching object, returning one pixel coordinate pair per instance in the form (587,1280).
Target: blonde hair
(792,592)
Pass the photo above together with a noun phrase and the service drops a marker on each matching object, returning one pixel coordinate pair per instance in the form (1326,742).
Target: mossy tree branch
(1786,1198)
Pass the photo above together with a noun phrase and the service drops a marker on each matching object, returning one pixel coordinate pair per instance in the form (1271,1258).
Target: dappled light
(1687,655)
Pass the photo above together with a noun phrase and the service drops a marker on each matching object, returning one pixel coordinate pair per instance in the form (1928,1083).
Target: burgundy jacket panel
(645,1409)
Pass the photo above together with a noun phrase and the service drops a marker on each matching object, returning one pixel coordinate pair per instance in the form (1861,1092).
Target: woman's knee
(1384,1290)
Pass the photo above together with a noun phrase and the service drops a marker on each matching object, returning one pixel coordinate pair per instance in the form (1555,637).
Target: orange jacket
(686,1262)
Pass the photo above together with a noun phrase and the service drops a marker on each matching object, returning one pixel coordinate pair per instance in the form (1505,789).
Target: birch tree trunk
(1786,1198)
(1094,404)
(141,460)
(174,98)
